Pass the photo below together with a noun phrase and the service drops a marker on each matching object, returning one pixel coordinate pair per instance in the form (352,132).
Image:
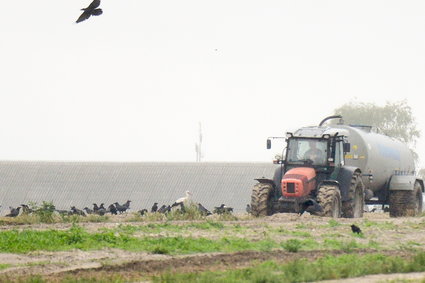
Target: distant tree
(393,119)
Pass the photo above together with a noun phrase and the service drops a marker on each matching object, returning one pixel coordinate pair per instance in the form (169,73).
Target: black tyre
(406,203)
(329,198)
(354,207)
(260,200)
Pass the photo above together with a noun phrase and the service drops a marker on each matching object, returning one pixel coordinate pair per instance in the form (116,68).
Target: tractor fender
(265,181)
(344,177)
(404,183)
(275,182)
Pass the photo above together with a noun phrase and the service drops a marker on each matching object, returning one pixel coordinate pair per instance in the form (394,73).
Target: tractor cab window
(307,151)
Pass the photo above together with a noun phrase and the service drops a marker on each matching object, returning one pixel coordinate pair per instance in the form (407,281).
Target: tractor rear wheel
(353,208)
(406,203)
(260,200)
(329,199)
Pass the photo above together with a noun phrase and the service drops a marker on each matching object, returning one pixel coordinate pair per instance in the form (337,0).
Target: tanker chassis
(335,170)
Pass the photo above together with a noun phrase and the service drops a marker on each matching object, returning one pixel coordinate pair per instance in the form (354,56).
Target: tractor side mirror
(269,143)
(347,147)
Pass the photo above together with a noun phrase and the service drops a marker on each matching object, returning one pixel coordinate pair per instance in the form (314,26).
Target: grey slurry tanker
(335,170)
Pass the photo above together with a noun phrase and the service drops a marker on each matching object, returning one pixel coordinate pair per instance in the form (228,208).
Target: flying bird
(355,229)
(91,10)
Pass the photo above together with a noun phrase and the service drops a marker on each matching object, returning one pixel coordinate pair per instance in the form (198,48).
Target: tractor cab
(320,148)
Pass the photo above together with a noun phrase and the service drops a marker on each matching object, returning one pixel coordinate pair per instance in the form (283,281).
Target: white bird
(183,199)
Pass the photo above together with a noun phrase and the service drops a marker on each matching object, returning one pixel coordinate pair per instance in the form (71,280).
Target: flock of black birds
(116,208)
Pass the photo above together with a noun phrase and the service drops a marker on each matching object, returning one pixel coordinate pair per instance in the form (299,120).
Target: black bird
(26,209)
(143,211)
(95,208)
(154,207)
(355,229)
(310,206)
(163,209)
(112,209)
(88,210)
(91,10)
(102,210)
(127,204)
(219,209)
(77,211)
(120,208)
(222,209)
(203,210)
(13,212)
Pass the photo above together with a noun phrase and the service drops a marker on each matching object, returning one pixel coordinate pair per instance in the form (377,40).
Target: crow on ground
(311,206)
(13,212)
(88,210)
(77,211)
(95,208)
(143,211)
(112,209)
(355,229)
(203,210)
(120,208)
(102,210)
(26,209)
(91,10)
(222,209)
(163,209)
(154,207)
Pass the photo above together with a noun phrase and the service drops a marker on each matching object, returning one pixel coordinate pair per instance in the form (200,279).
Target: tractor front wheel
(260,200)
(329,198)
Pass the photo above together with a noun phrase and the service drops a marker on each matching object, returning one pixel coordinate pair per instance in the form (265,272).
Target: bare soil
(391,233)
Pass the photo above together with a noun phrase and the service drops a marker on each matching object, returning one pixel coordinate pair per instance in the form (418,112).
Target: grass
(155,238)
(25,241)
(303,270)
(382,225)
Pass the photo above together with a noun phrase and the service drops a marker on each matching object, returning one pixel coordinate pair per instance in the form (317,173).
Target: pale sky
(133,83)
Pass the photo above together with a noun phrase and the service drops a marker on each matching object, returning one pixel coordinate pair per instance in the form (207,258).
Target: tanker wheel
(260,200)
(354,207)
(329,199)
(406,203)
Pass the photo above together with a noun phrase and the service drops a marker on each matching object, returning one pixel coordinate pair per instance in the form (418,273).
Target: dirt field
(393,236)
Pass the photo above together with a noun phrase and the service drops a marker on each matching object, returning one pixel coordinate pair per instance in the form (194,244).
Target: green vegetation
(54,240)
(387,225)
(394,119)
(303,270)
(333,223)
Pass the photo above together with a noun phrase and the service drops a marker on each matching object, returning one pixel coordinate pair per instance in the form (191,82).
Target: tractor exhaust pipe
(329,118)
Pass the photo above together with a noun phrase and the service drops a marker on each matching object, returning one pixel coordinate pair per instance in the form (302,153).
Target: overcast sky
(133,83)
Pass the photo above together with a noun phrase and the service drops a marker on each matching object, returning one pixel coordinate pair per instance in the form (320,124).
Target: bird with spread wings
(91,10)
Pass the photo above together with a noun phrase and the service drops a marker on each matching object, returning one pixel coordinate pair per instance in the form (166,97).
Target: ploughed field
(216,248)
